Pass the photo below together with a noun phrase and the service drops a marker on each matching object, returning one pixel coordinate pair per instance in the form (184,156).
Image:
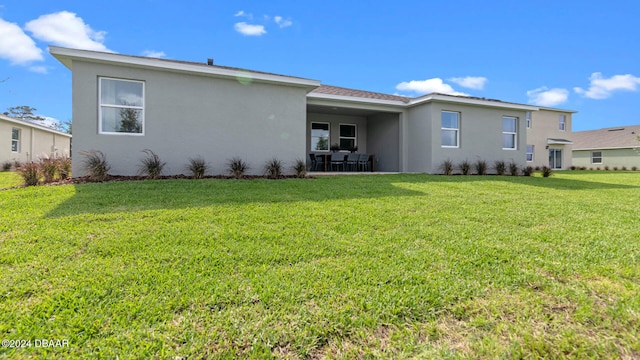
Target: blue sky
(577,55)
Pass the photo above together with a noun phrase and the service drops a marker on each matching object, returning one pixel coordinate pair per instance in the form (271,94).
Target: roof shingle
(616,137)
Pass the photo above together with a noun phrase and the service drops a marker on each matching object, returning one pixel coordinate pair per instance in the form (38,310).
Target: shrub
(615,168)
(63,165)
(606,167)
(634,168)
(95,164)
(465,167)
(197,167)
(500,167)
(513,169)
(583,168)
(273,168)
(30,173)
(17,164)
(527,170)
(6,166)
(572,167)
(624,168)
(300,168)
(546,171)
(48,169)
(447,167)
(151,166)
(237,167)
(480,167)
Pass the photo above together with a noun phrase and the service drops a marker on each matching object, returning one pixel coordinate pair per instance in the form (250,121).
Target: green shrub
(465,167)
(6,166)
(197,167)
(300,168)
(237,167)
(95,164)
(30,173)
(480,167)
(500,167)
(513,169)
(447,167)
(528,170)
(634,168)
(624,168)
(151,166)
(48,168)
(273,169)
(546,171)
(606,168)
(63,165)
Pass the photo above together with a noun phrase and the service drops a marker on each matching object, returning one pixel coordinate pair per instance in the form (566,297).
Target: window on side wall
(596,157)
(450,129)
(348,137)
(509,133)
(529,153)
(319,137)
(528,117)
(121,106)
(562,122)
(15,140)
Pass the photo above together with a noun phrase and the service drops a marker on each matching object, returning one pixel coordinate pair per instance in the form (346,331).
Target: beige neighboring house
(24,141)
(549,138)
(613,147)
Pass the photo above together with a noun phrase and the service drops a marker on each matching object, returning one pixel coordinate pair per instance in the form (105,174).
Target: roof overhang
(607,148)
(67,55)
(471,101)
(559,142)
(33,125)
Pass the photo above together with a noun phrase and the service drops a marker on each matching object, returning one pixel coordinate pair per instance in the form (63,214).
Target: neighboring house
(612,147)
(549,138)
(25,141)
(124,104)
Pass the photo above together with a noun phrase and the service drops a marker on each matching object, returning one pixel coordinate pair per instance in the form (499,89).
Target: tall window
(562,122)
(528,117)
(348,136)
(530,153)
(509,132)
(319,137)
(15,140)
(596,157)
(121,106)
(450,130)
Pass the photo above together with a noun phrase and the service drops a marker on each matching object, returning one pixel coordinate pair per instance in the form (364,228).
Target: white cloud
(282,22)
(154,54)
(470,82)
(543,96)
(602,88)
(435,85)
(239,13)
(16,46)
(38,69)
(65,28)
(249,29)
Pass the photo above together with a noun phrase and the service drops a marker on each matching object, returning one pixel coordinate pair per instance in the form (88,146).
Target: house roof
(341,91)
(32,125)
(608,138)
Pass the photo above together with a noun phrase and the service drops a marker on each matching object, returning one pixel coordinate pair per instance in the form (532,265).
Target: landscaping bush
(527,170)
(48,169)
(572,167)
(546,171)
(606,168)
(30,173)
(273,169)
(151,166)
(447,167)
(513,169)
(197,167)
(465,167)
(95,164)
(300,168)
(63,165)
(634,168)
(624,168)
(500,167)
(615,168)
(6,166)
(237,167)
(481,167)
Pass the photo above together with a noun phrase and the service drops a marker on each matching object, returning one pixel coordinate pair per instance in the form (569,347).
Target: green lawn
(394,266)
(9,179)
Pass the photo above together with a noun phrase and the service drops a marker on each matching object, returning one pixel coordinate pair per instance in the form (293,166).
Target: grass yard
(394,266)
(9,179)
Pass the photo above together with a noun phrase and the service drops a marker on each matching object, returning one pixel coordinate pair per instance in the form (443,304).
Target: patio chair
(317,162)
(352,161)
(363,162)
(337,160)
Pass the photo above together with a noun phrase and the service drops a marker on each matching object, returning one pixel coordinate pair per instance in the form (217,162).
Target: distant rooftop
(607,138)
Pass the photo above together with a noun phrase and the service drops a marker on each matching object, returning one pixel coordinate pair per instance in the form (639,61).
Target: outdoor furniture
(363,162)
(352,161)
(337,160)
(317,162)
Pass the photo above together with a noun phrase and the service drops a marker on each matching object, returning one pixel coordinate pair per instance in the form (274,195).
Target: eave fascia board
(353,99)
(33,125)
(66,55)
(467,101)
(607,148)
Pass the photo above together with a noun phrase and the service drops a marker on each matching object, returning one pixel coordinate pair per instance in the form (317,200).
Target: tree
(129,121)
(24,112)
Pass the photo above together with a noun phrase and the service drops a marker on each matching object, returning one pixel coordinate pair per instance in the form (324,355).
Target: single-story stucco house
(124,104)
(23,141)
(611,147)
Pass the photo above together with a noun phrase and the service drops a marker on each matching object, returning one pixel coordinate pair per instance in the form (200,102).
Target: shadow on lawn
(122,196)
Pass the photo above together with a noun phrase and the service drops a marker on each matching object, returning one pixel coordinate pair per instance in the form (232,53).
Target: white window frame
(101,105)
(354,138)
(533,148)
(528,118)
(328,136)
(562,122)
(513,133)
(16,141)
(457,130)
(593,156)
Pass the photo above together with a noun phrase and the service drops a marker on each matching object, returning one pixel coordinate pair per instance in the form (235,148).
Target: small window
(121,107)
(15,140)
(319,137)
(528,117)
(509,132)
(348,136)
(529,153)
(596,157)
(562,121)
(450,129)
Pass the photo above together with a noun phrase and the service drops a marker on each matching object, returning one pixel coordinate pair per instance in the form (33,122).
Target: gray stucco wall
(384,141)
(187,115)
(480,136)
(610,157)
